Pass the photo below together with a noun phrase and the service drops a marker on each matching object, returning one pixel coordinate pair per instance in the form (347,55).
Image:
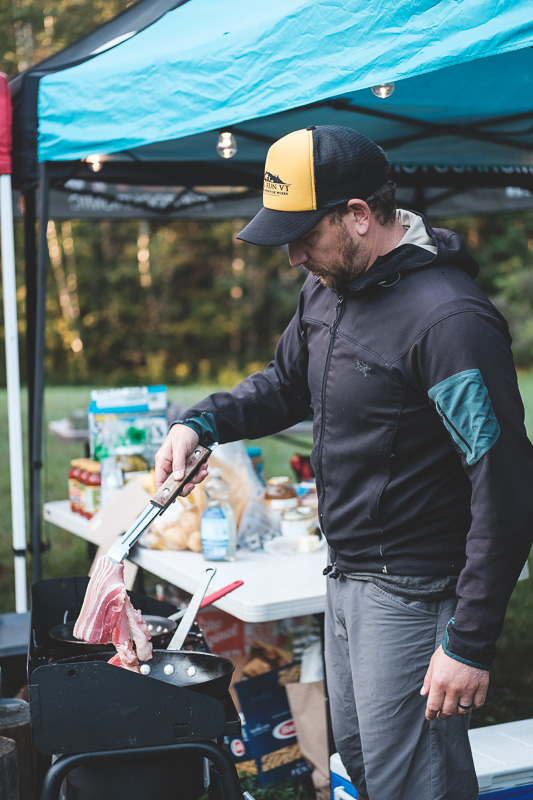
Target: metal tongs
(176,643)
(158,503)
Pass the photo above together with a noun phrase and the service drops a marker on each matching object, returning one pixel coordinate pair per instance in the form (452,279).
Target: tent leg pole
(16,460)
(38,380)
(30,258)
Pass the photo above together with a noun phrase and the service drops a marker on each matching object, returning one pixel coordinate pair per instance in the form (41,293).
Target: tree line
(184,301)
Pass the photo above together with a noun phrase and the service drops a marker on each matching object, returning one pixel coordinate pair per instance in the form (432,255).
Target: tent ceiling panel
(195,69)
(463,77)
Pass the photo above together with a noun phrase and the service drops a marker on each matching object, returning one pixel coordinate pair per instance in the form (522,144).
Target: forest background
(180,302)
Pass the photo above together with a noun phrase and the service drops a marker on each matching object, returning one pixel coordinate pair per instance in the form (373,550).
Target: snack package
(179,527)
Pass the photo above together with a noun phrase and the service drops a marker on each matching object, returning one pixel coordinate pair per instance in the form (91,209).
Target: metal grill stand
(222,762)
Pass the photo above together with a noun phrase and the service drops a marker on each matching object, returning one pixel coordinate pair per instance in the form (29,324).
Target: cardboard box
(130,418)
(241,752)
(270,729)
(232,638)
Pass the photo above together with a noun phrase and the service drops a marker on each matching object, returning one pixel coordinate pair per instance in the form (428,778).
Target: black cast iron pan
(202,672)
(161,628)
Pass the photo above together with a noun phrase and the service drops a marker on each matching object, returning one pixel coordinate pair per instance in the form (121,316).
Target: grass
(511,692)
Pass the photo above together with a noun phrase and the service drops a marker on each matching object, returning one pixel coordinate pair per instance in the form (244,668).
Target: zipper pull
(332,327)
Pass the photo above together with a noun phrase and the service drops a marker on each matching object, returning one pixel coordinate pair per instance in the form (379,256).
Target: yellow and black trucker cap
(308,172)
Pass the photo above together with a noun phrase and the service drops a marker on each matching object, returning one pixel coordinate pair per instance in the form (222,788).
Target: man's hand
(170,458)
(449,682)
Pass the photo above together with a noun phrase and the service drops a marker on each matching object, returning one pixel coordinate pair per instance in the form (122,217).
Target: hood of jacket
(421,246)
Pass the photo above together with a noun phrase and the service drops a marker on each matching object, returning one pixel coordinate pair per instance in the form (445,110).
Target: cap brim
(271,228)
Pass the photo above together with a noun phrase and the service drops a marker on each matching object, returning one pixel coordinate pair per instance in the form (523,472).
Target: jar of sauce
(280,494)
(298,522)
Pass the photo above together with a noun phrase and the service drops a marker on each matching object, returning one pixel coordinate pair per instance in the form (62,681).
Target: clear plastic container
(218,527)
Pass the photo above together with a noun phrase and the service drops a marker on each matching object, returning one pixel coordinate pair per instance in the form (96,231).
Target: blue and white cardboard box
(130,419)
(503,757)
(272,740)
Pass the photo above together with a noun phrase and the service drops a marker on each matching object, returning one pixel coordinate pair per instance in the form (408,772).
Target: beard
(349,262)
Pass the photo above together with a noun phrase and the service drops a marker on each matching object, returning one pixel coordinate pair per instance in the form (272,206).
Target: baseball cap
(308,172)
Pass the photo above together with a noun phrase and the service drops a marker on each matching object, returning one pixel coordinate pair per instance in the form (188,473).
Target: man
(424,471)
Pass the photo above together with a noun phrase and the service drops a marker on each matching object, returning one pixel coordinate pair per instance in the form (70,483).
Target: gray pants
(378,648)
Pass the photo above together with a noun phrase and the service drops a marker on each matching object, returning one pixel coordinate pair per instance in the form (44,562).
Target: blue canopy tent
(144,97)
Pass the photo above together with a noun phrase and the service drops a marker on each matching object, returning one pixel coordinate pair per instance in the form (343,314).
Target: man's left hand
(453,687)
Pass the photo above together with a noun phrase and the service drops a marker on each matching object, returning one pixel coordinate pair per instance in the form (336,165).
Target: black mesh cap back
(347,165)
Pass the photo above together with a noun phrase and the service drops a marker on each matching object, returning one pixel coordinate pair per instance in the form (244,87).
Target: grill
(114,733)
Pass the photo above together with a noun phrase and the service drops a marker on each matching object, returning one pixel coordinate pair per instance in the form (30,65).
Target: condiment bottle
(93,482)
(84,475)
(256,457)
(74,487)
(218,527)
(280,494)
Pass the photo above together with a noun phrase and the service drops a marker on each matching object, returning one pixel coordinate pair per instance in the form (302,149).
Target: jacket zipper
(452,426)
(332,332)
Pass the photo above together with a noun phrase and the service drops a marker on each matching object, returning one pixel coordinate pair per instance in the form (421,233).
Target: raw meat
(103,602)
(107,613)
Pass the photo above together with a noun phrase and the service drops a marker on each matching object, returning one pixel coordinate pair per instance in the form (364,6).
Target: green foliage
(503,247)
(172,302)
(32,31)
(209,305)
(289,790)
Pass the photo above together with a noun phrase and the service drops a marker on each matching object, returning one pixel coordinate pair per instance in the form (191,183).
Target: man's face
(331,251)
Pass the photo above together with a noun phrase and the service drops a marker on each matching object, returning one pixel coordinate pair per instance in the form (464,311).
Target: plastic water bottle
(218,526)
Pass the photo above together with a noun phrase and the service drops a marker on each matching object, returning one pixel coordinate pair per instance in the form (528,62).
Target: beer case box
(503,758)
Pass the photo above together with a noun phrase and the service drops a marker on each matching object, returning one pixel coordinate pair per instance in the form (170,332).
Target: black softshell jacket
(422,462)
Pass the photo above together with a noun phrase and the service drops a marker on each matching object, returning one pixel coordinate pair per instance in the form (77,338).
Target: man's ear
(359,215)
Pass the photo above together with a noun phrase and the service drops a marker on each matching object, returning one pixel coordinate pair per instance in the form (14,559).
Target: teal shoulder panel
(463,402)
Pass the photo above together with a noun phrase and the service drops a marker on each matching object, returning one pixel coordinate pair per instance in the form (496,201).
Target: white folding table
(275,587)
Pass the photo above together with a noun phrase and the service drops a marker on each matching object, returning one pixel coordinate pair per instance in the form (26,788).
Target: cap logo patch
(274,185)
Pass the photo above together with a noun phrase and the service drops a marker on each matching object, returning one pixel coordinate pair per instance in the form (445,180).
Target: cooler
(503,757)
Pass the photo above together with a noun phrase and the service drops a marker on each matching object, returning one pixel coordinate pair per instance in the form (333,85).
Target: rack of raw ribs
(103,732)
